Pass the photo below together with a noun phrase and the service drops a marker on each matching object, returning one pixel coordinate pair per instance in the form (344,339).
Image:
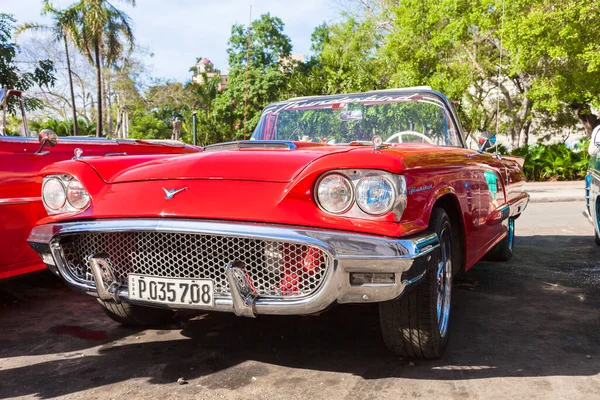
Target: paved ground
(545,192)
(529,328)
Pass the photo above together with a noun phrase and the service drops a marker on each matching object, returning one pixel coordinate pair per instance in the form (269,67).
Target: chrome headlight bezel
(397,182)
(66,181)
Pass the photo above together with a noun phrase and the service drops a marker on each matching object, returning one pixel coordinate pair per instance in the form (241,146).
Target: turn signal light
(368,278)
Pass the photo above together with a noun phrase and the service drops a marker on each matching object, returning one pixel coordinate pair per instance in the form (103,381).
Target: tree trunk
(108,109)
(118,133)
(525,132)
(75,125)
(523,122)
(98,90)
(583,113)
(126,130)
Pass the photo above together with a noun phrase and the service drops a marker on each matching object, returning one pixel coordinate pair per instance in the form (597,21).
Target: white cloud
(178,31)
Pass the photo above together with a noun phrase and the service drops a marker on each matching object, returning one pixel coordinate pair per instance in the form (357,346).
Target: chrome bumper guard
(408,259)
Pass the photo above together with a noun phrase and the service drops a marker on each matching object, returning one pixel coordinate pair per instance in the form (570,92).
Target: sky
(178,31)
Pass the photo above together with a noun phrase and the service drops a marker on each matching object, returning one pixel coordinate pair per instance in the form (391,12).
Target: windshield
(397,118)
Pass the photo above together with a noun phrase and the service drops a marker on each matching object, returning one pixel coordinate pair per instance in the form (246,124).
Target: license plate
(176,291)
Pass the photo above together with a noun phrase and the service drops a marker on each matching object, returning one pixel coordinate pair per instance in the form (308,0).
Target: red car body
(278,190)
(248,218)
(21,181)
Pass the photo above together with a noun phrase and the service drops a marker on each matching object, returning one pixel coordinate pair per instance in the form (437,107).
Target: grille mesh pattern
(275,268)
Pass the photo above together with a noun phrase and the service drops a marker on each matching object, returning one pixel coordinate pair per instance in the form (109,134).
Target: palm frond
(33,26)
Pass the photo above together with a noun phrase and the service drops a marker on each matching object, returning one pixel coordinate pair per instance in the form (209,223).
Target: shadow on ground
(536,315)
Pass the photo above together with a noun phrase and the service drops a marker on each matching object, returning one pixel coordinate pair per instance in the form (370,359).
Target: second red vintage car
(21,160)
(316,209)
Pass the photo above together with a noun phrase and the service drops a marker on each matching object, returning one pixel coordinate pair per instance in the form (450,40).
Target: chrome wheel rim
(444,282)
(511,233)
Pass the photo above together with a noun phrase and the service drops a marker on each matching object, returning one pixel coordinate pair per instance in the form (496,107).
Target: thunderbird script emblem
(172,192)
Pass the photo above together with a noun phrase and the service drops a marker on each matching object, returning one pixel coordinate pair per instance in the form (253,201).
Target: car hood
(248,164)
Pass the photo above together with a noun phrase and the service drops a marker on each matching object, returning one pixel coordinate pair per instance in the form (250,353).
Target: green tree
(12,76)
(349,57)
(202,95)
(267,74)
(148,125)
(507,61)
(152,116)
(268,44)
(344,60)
(559,41)
(63,25)
(103,33)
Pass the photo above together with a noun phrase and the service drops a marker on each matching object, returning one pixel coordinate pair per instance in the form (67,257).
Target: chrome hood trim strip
(19,200)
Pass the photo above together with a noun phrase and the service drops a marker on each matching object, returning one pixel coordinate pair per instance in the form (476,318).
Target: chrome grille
(275,268)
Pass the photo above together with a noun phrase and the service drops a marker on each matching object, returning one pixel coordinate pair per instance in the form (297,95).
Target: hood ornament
(169,193)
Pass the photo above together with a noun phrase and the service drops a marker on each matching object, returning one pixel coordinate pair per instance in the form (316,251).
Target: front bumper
(408,259)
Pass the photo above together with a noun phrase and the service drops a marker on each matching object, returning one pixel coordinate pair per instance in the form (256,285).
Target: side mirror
(486,140)
(47,138)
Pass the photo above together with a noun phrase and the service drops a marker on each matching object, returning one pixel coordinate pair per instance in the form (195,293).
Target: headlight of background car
(375,195)
(64,193)
(335,193)
(53,194)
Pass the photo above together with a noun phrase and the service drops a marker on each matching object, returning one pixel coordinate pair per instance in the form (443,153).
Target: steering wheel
(406,133)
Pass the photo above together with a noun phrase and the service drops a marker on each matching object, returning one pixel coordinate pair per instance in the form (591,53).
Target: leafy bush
(63,127)
(148,125)
(553,162)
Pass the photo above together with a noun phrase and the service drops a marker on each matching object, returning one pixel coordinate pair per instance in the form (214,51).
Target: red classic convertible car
(360,198)
(21,160)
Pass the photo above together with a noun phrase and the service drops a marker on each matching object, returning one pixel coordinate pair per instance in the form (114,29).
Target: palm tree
(205,94)
(62,28)
(102,32)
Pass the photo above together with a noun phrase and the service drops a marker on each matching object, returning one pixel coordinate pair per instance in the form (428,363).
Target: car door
(492,176)
(20,193)
(20,203)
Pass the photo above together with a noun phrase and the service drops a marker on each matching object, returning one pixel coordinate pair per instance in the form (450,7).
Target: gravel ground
(528,328)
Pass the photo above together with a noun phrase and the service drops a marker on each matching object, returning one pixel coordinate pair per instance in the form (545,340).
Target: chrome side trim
(504,211)
(407,258)
(19,200)
(518,205)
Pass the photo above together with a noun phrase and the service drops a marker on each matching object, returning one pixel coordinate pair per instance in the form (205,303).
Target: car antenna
(247,61)
(499,75)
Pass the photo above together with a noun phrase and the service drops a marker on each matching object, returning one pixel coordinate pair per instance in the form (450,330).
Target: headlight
(64,193)
(375,195)
(53,194)
(361,193)
(77,196)
(335,193)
